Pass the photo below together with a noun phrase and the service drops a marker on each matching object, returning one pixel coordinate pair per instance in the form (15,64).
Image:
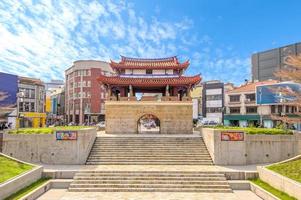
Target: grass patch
(253,130)
(10,168)
(290,169)
(48,130)
(272,190)
(27,189)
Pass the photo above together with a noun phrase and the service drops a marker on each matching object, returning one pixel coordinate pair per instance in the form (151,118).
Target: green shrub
(254,130)
(48,130)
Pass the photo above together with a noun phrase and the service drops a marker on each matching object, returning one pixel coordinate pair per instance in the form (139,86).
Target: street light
(20,96)
(260,113)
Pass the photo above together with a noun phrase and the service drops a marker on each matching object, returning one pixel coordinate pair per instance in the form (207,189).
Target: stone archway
(148,123)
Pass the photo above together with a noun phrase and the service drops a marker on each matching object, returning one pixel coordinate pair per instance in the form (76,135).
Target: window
(250,97)
(234,98)
(234,110)
(287,109)
(32,94)
(21,109)
(273,109)
(102,95)
(149,71)
(88,94)
(89,83)
(214,110)
(214,97)
(32,107)
(27,107)
(252,109)
(279,109)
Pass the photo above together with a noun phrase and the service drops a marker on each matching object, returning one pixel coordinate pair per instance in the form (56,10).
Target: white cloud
(43,39)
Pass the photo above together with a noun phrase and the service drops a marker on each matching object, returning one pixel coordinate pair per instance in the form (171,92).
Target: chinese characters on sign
(232,136)
(66,135)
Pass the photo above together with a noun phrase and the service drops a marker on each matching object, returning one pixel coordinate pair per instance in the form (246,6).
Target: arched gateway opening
(148,123)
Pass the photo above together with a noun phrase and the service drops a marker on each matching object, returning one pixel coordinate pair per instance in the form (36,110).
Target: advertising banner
(66,135)
(232,136)
(8,90)
(277,93)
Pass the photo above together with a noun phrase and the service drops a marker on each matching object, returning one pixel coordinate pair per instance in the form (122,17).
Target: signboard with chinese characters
(66,135)
(232,136)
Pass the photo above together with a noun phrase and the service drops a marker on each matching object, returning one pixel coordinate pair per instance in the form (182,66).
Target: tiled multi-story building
(213,101)
(84,96)
(31,103)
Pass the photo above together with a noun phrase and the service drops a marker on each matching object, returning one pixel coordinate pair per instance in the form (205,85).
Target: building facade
(266,63)
(31,103)
(84,96)
(56,113)
(149,95)
(248,105)
(196,95)
(51,87)
(213,102)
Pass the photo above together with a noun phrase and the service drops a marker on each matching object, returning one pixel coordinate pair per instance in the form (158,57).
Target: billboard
(277,93)
(232,136)
(66,135)
(8,90)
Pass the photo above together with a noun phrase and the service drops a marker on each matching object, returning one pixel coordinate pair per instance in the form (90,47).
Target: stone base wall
(253,149)
(46,149)
(123,116)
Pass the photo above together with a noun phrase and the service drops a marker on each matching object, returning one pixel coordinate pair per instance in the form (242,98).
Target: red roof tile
(142,63)
(250,87)
(147,82)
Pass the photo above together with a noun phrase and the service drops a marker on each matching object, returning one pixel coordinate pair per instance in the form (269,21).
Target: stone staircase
(149,151)
(149,181)
(146,150)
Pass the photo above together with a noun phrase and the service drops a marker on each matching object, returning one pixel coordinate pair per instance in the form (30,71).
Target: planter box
(47,149)
(280,182)
(250,149)
(16,183)
(262,193)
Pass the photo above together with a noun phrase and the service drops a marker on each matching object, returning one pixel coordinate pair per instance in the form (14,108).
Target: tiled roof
(146,82)
(142,63)
(250,87)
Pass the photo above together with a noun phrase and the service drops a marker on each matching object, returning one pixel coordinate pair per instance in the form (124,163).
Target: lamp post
(20,96)
(260,113)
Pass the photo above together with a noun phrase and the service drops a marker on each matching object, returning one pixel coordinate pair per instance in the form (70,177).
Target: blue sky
(42,38)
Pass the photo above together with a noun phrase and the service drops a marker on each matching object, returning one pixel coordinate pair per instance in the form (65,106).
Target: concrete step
(204,186)
(126,178)
(96,155)
(186,150)
(206,182)
(148,163)
(150,172)
(150,175)
(213,190)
